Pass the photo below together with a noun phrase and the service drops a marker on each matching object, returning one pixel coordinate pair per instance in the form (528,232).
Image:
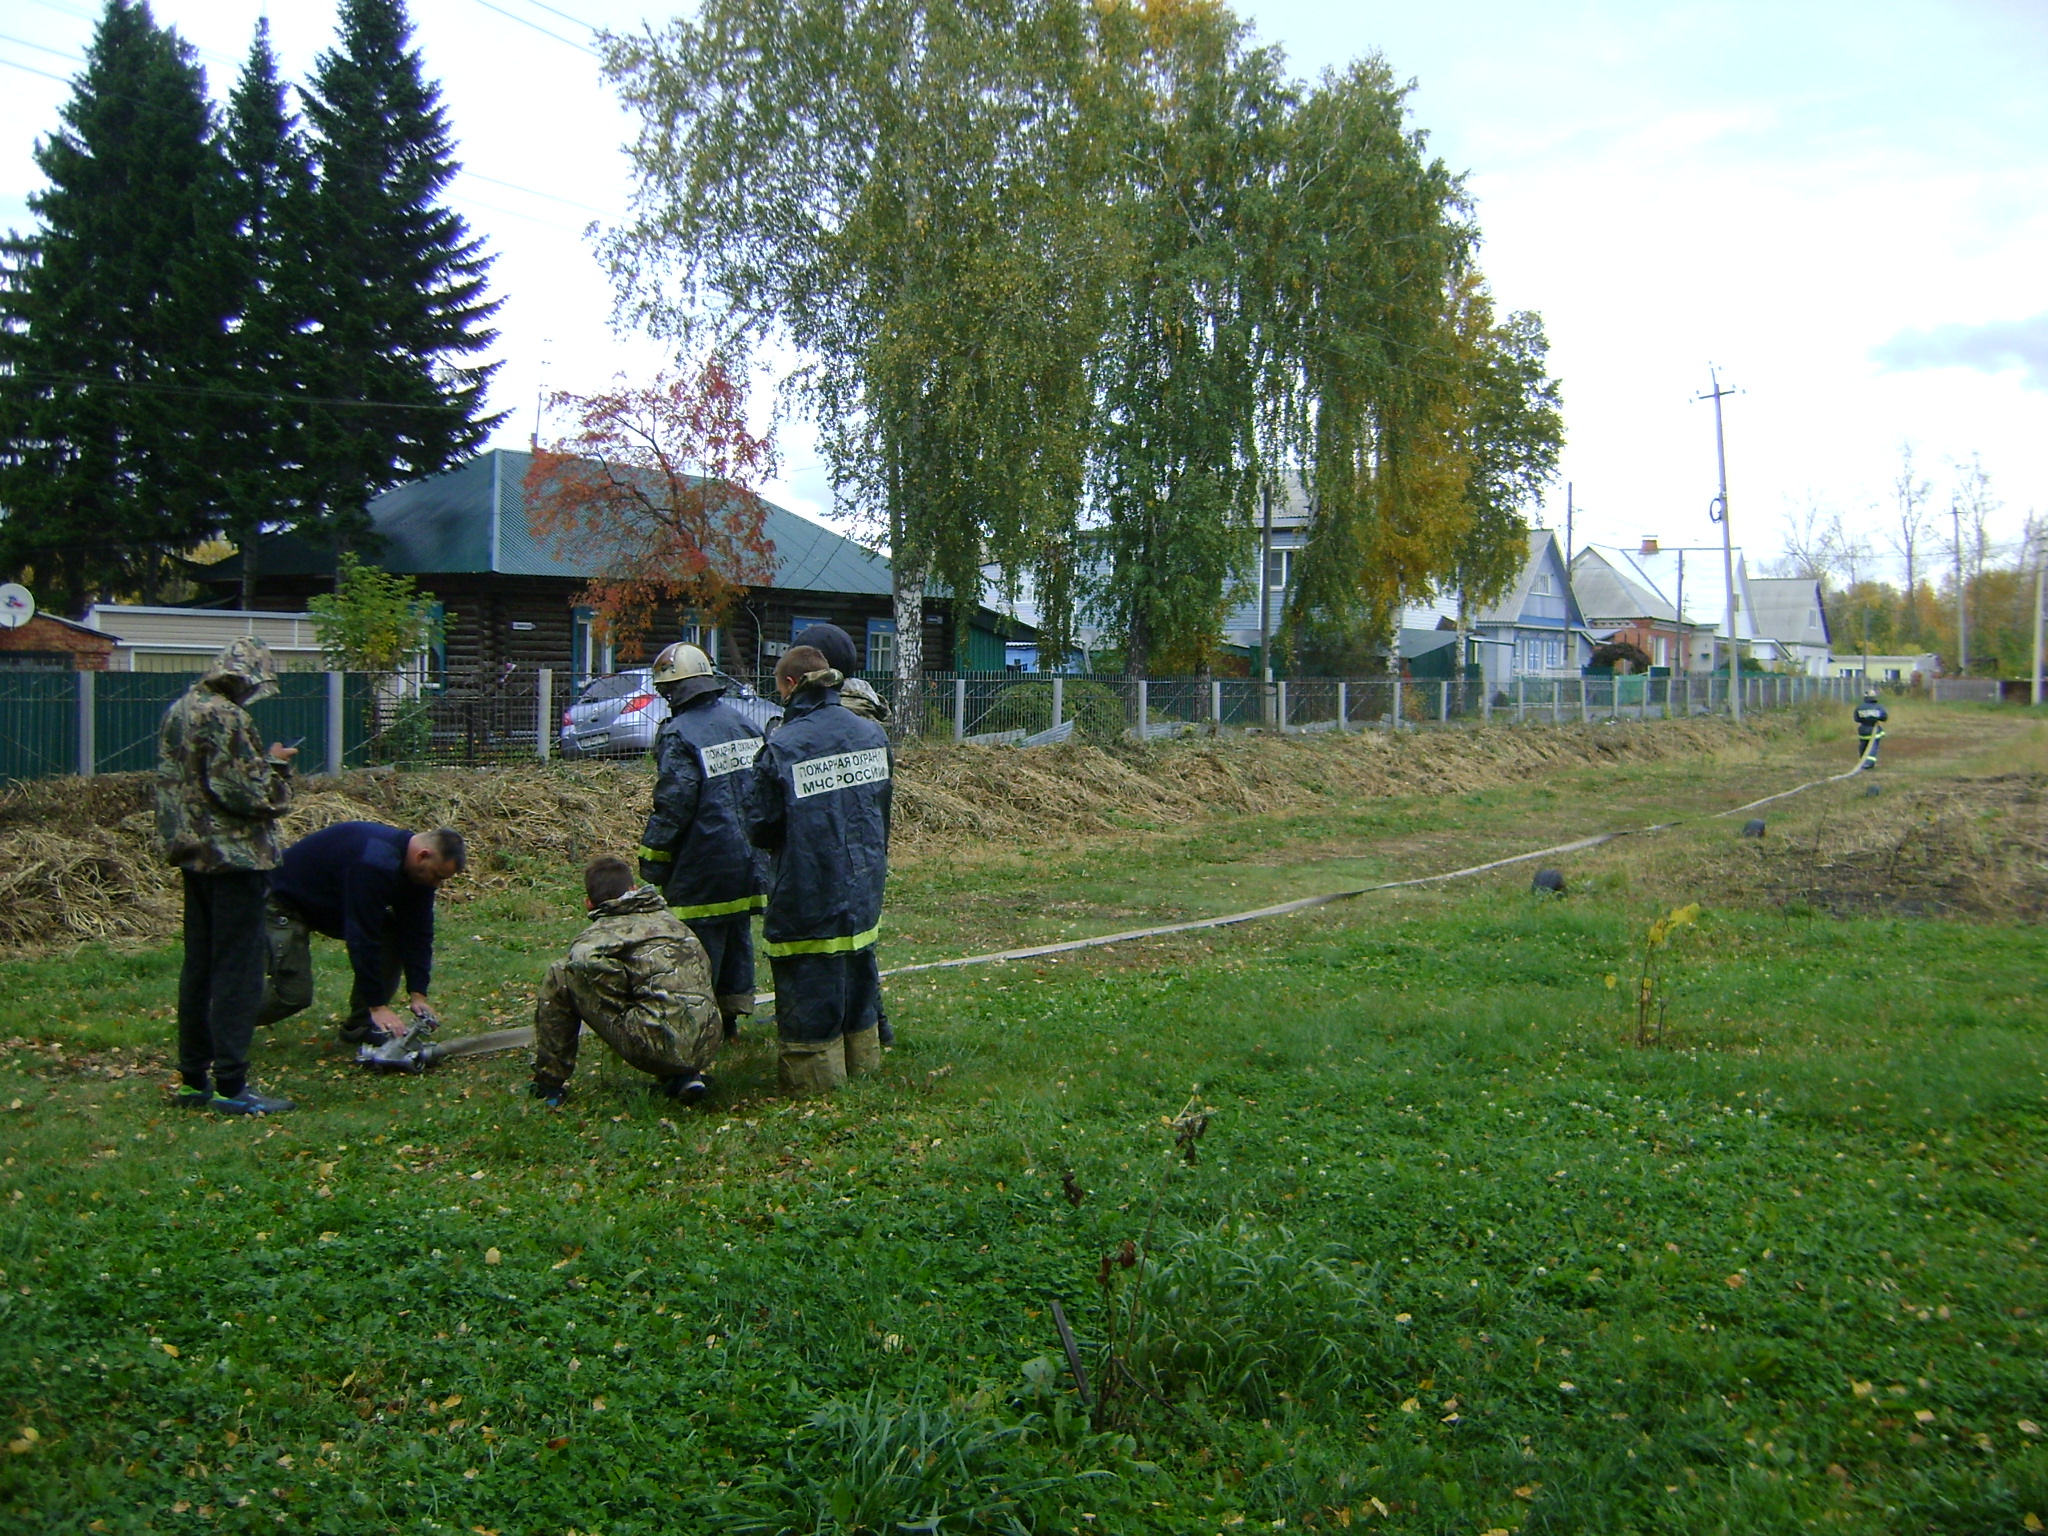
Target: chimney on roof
(1649,544)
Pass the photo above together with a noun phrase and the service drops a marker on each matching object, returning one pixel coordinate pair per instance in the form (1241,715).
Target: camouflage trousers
(659,1043)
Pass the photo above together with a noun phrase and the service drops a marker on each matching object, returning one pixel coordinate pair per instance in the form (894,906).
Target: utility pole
(1719,512)
(2040,595)
(1955,513)
(1567,527)
(1265,597)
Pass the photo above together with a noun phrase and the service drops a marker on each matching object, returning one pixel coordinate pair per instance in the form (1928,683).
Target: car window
(617,686)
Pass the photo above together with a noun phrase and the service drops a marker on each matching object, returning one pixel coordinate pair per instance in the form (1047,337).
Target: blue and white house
(1535,630)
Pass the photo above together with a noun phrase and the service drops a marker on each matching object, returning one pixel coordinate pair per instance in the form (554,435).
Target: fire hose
(402,1053)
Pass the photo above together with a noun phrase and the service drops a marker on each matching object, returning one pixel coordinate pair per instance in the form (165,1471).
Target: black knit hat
(835,644)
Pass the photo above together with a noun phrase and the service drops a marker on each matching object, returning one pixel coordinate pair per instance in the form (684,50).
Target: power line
(40,48)
(570,202)
(507,213)
(577,20)
(30,69)
(566,42)
(39,375)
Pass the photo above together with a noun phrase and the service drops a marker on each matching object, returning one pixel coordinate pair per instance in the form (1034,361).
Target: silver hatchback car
(618,714)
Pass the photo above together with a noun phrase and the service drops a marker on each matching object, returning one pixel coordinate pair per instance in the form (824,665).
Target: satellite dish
(16,606)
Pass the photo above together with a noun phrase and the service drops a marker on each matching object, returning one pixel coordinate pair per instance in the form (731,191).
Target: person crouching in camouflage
(218,799)
(638,977)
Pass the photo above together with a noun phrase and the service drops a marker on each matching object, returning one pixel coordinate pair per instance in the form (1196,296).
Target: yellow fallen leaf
(169,1349)
(1527,1490)
(597,1405)
(1737,1282)
(453,1401)
(492,1256)
(1861,1388)
(181,1506)
(1410,1405)
(2033,1523)
(2029,1427)
(1924,1415)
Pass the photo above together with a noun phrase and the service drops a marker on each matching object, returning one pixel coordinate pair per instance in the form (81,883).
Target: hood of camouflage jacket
(245,671)
(642,898)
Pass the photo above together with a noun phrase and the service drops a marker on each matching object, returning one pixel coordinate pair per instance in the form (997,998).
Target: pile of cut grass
(78,858)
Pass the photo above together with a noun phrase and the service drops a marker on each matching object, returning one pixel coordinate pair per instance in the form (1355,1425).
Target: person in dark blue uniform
(695,848)
(837,647)
(820,803)
(1870,719)
(372,887)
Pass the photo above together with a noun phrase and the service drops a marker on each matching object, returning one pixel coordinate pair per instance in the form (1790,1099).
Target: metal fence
(106,722)
(1014,709)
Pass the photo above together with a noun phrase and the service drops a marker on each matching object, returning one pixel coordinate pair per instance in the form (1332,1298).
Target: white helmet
(679,661)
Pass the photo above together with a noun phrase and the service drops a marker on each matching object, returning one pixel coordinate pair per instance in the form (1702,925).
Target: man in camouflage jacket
(219,796)
(638,977)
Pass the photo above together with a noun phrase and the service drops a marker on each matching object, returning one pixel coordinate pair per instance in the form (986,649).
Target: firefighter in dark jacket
(1870,719)
(820,805)
(695,849)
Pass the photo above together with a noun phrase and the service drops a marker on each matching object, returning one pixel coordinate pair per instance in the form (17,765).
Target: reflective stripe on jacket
(704,754)
(820,803)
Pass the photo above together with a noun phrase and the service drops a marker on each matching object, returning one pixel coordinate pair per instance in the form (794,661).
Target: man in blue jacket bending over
(372,887)
(819,803)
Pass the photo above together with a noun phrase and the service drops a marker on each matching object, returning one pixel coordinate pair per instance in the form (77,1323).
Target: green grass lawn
(1453,1255)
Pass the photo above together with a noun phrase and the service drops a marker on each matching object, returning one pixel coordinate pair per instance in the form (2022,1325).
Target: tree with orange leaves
(657,481)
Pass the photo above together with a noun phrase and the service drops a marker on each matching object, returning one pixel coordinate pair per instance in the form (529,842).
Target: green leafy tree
(1513,434)
(276,350)
(114,321)
(1379,387)
(1189,340)
(373,620)
(902,190)
(400,304)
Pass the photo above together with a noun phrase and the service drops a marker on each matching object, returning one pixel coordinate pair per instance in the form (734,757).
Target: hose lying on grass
(516,1039)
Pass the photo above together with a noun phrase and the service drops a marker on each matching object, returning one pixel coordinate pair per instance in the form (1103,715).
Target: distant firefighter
(1870,719)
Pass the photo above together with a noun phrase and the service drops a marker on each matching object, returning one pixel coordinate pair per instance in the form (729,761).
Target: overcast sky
(1844,206)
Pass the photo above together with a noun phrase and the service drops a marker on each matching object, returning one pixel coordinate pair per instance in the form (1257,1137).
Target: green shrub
(1096,709)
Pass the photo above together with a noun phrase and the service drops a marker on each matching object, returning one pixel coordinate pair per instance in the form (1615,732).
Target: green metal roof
(472,519)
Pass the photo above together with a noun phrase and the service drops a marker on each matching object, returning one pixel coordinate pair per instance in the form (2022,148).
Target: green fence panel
(128,711)
(38,724)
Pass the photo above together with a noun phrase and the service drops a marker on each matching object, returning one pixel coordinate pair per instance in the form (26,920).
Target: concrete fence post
(337,683)
(1521,701)
(1343,706)
(959,709)
(1395,713)
(1443,702)
(88,725)
(1585,704)
(1556,703)
(1059,699)
(1280,707)
(1216,703)
(543,712)
(1144,707)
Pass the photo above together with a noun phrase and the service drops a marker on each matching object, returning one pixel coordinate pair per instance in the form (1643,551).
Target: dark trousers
(729,948)
(822,997)
(221,985)
(289,988)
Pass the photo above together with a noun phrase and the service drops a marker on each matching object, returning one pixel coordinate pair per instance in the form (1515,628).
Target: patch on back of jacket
(842,770)
(730,756)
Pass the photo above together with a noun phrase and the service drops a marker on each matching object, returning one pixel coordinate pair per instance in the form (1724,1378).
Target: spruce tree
(276,349)
(114,319)
(401,304)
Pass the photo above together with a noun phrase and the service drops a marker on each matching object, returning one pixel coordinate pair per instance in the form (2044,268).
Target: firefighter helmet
(682,672)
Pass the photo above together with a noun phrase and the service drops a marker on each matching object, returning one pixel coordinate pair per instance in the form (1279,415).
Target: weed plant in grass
(1453,1256)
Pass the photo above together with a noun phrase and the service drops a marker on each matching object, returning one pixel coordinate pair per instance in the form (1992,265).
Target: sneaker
(687,1087)
(552,1094)
(193,1098)
(883,1033)
(249,1102)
